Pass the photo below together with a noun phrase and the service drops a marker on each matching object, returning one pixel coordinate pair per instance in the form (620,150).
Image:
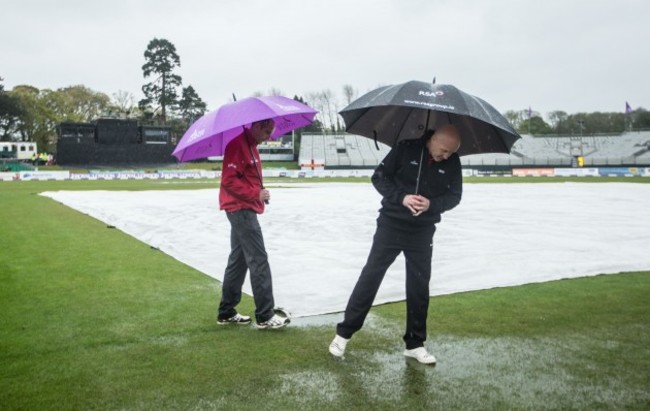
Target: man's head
(262,130)
(444,142)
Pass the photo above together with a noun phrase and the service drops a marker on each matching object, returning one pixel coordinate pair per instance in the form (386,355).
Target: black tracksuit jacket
(397,175)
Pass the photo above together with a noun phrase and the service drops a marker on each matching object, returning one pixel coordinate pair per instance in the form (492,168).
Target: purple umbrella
(210,134)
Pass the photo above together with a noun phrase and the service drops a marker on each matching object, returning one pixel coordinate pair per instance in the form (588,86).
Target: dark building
(113,142)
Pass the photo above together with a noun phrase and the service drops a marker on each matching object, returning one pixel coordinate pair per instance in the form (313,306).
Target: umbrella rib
(399,130)
(180,160)
(305,117)
(357,119)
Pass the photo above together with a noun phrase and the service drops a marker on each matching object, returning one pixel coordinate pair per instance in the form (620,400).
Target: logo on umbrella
(196,134)
(287,108)
(438,93)
(443,107)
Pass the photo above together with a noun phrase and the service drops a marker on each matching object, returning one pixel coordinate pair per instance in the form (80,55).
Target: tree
(190,105)
(527,121)
(10,113)
(77,103)
(38,121)
(515,118)
(349,93)
(38,112)
(535,126)
(161,60)
(123,103)
(641,119)
(598,122)
(273,91)
(315,126)
(558,120)
(325,103)
(178,127)
(591,123)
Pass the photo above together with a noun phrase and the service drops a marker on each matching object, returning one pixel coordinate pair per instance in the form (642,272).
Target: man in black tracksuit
(418,180)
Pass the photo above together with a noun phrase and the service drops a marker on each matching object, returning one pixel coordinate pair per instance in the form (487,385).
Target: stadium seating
(340,151)
(627,149)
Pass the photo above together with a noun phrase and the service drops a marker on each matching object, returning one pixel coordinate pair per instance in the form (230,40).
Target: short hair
(264,123)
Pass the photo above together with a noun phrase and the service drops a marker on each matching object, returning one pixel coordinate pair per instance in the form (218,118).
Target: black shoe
(235,319)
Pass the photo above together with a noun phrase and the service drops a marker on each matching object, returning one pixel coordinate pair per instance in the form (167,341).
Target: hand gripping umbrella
(210,134)
(405,111)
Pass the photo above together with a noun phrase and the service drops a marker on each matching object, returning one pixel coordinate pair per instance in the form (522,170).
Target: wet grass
(93,319)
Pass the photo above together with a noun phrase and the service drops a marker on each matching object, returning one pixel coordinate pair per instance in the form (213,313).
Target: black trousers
(247,252)
(387,244)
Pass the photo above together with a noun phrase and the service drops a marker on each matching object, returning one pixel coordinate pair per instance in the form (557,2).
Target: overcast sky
(570,55)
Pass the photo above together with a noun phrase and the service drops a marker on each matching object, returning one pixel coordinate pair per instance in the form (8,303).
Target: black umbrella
(404,111)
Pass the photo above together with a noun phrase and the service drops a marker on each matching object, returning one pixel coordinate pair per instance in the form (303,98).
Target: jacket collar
(249,137)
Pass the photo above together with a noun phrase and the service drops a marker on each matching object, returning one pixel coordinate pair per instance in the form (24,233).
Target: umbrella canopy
(210,134)
(404,111)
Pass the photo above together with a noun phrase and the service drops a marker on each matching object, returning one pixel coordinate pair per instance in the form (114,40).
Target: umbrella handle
(265,201)
(417,181)
(259,175)
(426,127)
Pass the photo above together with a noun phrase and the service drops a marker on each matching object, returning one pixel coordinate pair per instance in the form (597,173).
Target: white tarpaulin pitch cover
(318,235)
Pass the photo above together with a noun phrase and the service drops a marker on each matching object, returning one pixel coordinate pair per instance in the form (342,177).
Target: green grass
(94,319)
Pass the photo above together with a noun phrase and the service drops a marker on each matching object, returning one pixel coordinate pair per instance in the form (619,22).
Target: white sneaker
(337,347)
(273,323)
(420,354)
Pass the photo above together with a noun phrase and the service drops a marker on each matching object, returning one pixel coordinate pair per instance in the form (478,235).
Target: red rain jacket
(240,182)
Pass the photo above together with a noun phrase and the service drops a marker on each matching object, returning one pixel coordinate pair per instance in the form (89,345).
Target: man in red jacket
(242,196)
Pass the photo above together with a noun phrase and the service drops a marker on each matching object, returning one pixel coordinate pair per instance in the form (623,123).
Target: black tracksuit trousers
(247,252)
(387,244)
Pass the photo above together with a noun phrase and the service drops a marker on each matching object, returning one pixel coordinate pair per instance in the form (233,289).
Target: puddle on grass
(309,386)
(519,372)
(318,320)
